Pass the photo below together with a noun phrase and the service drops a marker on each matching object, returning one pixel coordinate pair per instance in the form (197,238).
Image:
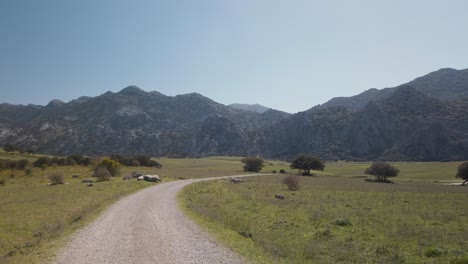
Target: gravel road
(146,227)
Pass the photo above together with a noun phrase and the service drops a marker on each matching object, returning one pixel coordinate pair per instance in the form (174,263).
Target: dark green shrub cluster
(71,160)
(462,172)
(306,163)
(7,164)
(136,161)
(253,164)
(382,171)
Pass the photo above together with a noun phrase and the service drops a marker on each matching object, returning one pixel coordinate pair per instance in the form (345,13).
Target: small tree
(463,172)
(112,166)
(253,164)
(382,171)
(305,163)
(292,181)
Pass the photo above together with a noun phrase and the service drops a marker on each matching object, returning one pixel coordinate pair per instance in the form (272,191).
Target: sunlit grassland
(34,217)
(210,167)
(415,171)
(335,220)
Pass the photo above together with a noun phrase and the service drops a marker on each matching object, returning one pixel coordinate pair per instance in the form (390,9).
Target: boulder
(151,178)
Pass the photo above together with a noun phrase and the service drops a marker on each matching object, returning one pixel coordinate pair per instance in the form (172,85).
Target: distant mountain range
(425,119)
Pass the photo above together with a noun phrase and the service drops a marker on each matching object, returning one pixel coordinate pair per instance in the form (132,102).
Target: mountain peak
(131,90)
(55,102)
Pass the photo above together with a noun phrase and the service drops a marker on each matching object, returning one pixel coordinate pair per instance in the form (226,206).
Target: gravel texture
(146,227)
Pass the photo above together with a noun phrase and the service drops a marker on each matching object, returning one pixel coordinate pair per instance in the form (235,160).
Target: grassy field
(36,219)
(409,171)
(339,218)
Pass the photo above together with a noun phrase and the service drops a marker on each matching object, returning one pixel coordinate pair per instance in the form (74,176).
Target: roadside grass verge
(334,220)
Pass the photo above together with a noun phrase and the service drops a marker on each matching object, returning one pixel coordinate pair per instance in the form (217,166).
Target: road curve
(146,227)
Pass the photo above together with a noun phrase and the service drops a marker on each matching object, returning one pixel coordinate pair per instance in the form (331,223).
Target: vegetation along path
(146,227)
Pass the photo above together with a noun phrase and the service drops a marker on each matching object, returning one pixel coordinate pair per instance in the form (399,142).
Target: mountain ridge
(409,123)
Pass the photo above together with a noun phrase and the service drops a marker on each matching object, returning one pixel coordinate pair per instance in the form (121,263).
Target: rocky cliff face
(407,125)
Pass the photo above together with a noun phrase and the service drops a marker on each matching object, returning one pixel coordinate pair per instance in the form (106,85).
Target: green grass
(210,167)
(335,220)
(414,171)
(35,218)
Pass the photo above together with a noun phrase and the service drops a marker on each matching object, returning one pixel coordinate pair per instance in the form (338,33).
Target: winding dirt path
(146,227)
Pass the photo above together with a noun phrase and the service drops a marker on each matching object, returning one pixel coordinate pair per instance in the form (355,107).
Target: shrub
(112,166)
(56,178)
(29,170)
(382,171)
(21,164)
(282,171)
(273,171)
(102,174)
(253,164)
(463,172)
(292,182)
(42,161)
(2,181)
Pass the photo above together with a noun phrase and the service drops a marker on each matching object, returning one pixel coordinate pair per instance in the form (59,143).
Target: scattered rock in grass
(151,178)
(279,196)
(127,178)
(235,180)
(90,184)
(86,181)
(75,176)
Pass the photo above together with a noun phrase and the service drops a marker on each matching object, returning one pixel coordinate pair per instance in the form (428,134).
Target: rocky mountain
(250,107)
(445,84)
(133,121)
(406,125)
(426,119)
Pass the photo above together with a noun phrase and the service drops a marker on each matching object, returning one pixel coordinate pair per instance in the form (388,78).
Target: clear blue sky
(289,55)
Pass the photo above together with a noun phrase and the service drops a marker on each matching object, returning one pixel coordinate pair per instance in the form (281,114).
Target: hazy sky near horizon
(288,55)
